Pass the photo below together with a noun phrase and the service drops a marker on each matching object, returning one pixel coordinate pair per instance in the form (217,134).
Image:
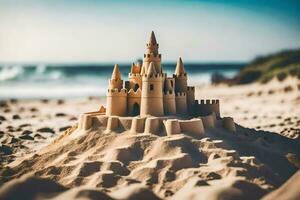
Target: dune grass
(263,69)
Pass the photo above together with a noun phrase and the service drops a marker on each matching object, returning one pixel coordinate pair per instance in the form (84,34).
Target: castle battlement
(153,77)
(180,75)
(152,44)
(152,55)
(206,107)
(117,92)
(191,88)
(207,101)
(137,93)
(134,75)
(180,94)
(169,93)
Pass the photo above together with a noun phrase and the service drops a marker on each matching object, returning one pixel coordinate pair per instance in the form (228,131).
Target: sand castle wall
(180,82)
(193,126)
(135,79)
(172,127)
(154,125)
(112,123)
(208,121)
(229,124)
(119,98)
(134,102)
(138,125)
(169,103)
(181,105)
(206,107)
(190,99)
(124,123)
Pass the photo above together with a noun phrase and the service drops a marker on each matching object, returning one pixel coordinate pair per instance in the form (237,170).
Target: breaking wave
(68,81)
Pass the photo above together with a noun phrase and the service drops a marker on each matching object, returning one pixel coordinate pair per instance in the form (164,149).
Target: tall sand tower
(152,93)
(151,55)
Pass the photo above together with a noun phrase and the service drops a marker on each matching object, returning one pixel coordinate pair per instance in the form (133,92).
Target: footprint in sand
(26,137)
(288,89)
(26,132)
(33,109)
(7,110)
(60,101)
(46,130)
(3,104)
(16,117)
(44,100)
(64,128)
(60,115)
(24,125)
(2,118)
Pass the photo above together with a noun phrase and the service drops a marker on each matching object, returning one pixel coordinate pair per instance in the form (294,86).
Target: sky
(116,31)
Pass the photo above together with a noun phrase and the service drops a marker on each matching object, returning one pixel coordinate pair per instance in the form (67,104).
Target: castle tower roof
(151,69)
(152,39)
(116,75)
(132,68)
(179,67)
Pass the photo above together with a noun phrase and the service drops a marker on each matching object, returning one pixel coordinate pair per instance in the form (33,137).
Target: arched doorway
(135,109)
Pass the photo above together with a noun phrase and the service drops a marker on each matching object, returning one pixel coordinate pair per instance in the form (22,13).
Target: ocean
(82,80)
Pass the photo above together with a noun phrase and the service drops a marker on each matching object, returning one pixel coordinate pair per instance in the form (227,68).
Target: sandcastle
(152,102)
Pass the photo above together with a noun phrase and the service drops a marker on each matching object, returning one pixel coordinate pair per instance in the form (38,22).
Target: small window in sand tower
(151,87)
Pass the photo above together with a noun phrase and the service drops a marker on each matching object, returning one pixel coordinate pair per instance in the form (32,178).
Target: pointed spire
(132,68)
(179,67)
(151,69)
(116,75)
(152,39)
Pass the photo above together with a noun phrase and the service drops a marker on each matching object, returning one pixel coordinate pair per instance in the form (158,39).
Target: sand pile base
(242,165)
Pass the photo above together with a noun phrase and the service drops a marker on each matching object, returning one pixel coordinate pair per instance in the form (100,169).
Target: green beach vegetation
(264,68)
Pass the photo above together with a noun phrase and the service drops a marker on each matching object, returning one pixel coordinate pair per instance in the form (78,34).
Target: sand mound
(29,187)
(232,188)
(135,166)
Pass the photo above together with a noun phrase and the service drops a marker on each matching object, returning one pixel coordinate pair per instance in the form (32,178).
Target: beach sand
(41,158)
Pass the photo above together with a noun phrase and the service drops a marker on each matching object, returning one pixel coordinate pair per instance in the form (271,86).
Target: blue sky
(98,31)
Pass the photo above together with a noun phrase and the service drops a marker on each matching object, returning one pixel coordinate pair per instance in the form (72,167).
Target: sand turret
(151,70)
(180,77)
(152,39)
(151,55)
(135,78)
(116,79)
(169,97)
(116,73)
(179,68)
